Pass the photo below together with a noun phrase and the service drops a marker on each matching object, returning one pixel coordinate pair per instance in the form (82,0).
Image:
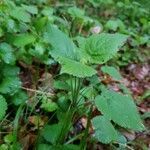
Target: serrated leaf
(113,72)
(31,9)
(3,107)
(9,70)
(104,130)
(102,47)
(19,97)
(23,40)
(6,53)
(119,108)
(20,14)
(62,45)
(65,53)
(10,85)
(75,68)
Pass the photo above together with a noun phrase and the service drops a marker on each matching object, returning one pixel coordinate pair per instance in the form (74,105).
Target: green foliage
(101,48)
(10,82)
(10,85)
(113,72)
(62,44)
(23,40)
(48,105)
(3,107)
(40,36)
(66,52)
(76,12)
(51,133)
(114,25)
(19,98)
(76,68)
(10,70)
(20,14)
(104,130)
(62,147)
(6,53)
(32,9)
(61,85)
(95,50)
(119,108)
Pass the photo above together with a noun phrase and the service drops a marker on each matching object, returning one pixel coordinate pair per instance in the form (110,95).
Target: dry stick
(37,91)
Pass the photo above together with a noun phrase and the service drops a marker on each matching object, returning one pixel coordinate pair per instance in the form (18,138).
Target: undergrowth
(53,55)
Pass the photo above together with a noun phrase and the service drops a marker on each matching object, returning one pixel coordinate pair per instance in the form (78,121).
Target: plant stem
(75,89)
(16,123)
(66,125)
(74,138)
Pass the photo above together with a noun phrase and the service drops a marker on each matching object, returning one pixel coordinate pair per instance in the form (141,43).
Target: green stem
(74,138)
(75,88)
(16,124)
(66,125)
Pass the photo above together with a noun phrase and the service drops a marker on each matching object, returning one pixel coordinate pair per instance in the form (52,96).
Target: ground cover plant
(64,71)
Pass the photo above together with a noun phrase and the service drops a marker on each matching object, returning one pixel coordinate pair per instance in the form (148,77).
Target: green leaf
(10,85)
(113,72)
(89,92)
(62,45)
(19,97)
(9,70)
(6,53)
(146,115)
(76,12)
(3,107)
(61,85)
(38,51)
(40,23)
(31,9)
(51,132)
(65,53)
(45,147)
(9,138)
(146,94)
(119,108)
(48,11)
(102,47)
(48,105)
(114,25)
(69,147)
(75,68)
(23,40)
(104,130)
(58,147)
(20,14)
